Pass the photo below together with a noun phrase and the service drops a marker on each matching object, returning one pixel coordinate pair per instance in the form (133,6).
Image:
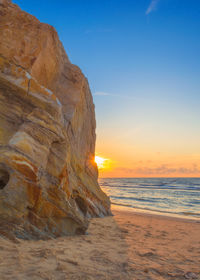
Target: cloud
(152,6)
(128,97)
(101,93)
(161,170)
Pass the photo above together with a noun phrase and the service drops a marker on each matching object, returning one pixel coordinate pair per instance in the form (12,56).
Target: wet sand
(129,245)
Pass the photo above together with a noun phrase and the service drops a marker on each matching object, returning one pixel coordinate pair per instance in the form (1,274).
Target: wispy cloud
(152,6)
(101,93)
(128,97)
(160,170)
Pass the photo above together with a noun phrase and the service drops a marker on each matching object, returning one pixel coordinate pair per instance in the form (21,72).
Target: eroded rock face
(48,178)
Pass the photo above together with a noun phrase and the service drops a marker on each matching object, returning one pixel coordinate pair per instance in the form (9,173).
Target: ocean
(171,196)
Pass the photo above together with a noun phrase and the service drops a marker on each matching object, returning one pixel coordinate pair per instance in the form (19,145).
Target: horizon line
(177,177)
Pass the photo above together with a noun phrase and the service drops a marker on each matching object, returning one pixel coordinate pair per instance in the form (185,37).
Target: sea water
(174,196)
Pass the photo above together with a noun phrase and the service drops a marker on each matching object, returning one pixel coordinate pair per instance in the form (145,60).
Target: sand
(129,245)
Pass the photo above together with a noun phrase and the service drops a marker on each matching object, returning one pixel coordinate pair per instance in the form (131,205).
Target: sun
(100,162)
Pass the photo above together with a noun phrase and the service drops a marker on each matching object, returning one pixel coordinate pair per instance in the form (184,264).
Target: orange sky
(140,159)
(148,138)
(155,166)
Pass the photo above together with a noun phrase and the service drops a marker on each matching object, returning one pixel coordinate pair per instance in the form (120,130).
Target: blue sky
(142,60)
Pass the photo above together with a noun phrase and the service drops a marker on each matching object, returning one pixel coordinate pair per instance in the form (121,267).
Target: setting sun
(100,161)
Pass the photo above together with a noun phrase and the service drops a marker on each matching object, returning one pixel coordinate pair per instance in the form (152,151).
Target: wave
(158,211)
(173,196)
(155,187)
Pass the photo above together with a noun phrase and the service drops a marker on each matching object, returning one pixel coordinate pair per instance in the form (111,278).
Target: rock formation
(48,178)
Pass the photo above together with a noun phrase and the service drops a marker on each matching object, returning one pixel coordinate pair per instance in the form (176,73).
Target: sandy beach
(128,245)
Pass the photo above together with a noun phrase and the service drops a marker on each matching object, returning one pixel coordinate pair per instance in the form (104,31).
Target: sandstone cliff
(48,178)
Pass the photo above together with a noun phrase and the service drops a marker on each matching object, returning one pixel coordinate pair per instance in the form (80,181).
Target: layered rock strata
(48,178)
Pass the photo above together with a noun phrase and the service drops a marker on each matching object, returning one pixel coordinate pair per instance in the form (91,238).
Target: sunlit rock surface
(48,178)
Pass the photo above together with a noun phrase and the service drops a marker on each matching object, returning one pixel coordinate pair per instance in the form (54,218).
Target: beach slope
(128,245)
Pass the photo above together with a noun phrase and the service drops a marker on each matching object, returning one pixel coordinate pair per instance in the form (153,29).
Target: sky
(142,60)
